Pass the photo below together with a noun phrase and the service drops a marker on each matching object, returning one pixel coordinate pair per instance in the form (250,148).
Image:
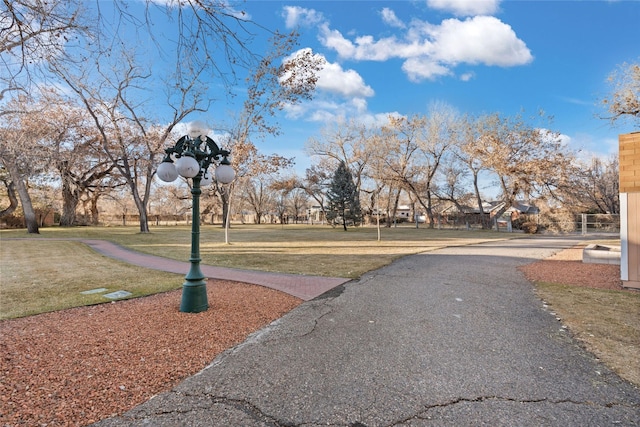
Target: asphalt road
(454,337)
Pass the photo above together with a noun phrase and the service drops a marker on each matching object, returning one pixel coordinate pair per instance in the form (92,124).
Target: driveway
(454,337)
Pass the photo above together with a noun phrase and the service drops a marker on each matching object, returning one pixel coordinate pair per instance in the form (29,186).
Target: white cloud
(590,146)
(339,93)
(389,17)
(467,76)
(479,40)
(334,39)
(565,140)
(336,80)
(611,145)
(378,120)
(432,50)
(336,112)
(299,16)
(325,116)
(347,83)
(429,51)
(466,7)
(223,6)
(418,69)
(366,48)
(576,101)
(323,109)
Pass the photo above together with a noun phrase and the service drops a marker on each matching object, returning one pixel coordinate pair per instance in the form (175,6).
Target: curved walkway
(301,286)
(453,337)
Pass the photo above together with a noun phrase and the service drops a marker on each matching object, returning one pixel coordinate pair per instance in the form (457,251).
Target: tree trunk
(429,210)
(509,198)
(13,199)
(140,205)
(95,214)
(142,212)
(144,221)
(43,217)
(224,196)
(392,209)
(476,189)
(344,218)
(70,199)
(25,199)
(27,208)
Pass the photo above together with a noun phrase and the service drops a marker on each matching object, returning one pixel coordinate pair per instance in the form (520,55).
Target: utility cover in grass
(117,295)
(94,291)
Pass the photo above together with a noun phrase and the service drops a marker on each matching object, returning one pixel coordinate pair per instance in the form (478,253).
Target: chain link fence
(576,223)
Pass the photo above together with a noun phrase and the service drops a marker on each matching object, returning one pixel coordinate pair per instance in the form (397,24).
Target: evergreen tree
(344,201)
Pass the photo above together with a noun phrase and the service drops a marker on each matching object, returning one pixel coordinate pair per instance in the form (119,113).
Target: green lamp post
(193,154)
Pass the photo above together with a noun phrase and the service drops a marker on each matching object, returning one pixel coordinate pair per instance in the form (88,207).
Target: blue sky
(398,57)
(479,56)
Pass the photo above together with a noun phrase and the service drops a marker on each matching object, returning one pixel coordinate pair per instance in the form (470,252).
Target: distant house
(491,209)
(448,208)
(447,212)
(404,211)
(517,209)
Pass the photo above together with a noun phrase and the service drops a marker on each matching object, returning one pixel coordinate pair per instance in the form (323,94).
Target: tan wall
(633,238)
(630,162)
(630,192)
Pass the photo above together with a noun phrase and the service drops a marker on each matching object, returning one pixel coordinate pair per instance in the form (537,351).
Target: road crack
(424,413)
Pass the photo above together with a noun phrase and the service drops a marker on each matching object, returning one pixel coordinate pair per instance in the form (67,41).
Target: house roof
(518,206)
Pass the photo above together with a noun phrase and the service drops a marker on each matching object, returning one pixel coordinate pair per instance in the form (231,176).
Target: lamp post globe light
(193,154)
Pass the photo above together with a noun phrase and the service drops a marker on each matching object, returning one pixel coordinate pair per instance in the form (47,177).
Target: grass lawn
(298,249)
(43,273)
(607,321)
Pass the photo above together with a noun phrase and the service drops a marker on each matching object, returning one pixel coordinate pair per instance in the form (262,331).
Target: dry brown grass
(606,321)
(300,249)
(590,300)
(43,275)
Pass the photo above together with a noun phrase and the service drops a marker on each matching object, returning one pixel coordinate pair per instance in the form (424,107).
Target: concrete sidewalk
(301,286)
(454,337)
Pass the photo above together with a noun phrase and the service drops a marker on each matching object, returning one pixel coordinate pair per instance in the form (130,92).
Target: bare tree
(470,153)
(297,202)
(130,142)
(32,32)
(173,202)
(596,186)
(19,171)
(22,154)
(279,81)
(376,178)
(526,161)
(258,195)
(345,142)
(397,163)
(314,185)
(453,187)
(73,149)
(290,198)
(434,146)
(624,99)
(281,206)
(99,56)
(11,193)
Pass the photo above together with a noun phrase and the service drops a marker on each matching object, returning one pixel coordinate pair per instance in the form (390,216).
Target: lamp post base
(194,297)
